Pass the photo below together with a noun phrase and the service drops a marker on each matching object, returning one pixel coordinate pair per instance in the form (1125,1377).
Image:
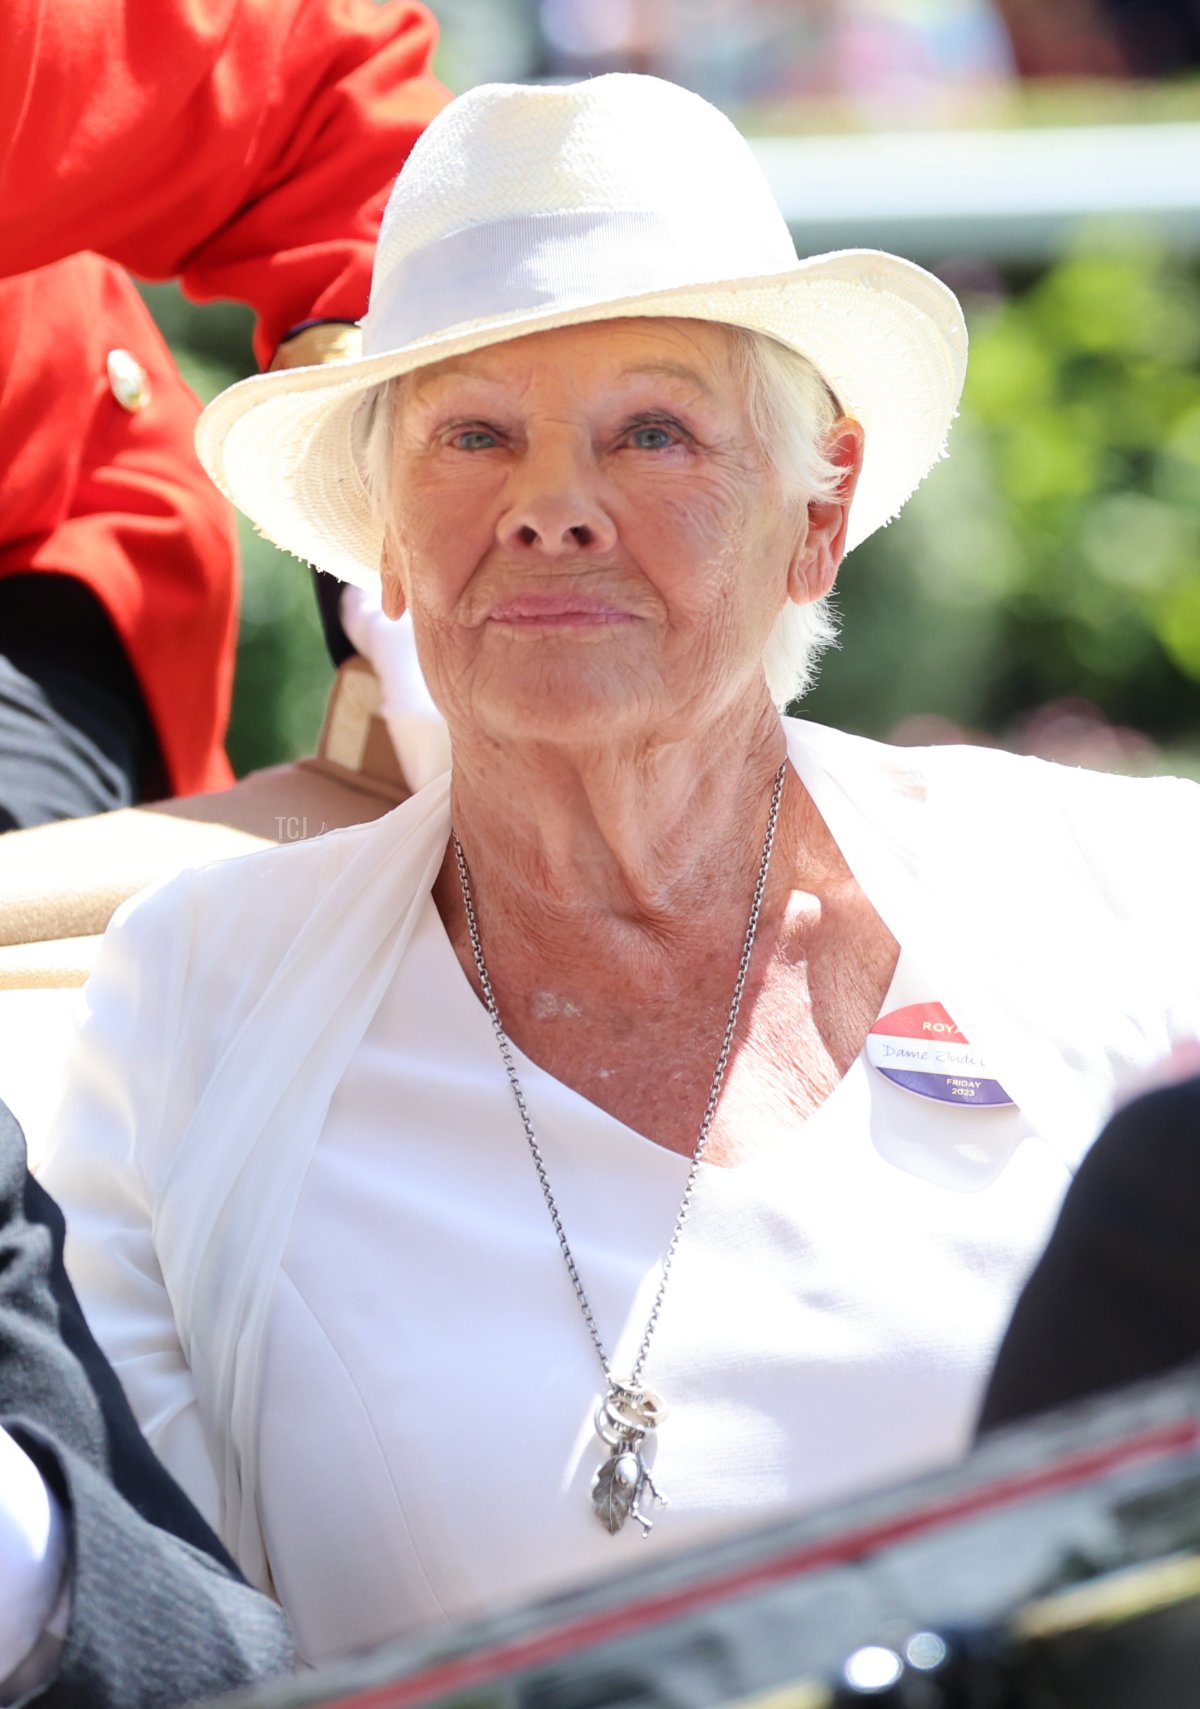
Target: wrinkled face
(588,536)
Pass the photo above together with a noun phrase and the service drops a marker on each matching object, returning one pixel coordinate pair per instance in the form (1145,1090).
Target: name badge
(920,1049)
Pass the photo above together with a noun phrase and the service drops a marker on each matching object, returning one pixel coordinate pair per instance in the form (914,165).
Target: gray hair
(792,411)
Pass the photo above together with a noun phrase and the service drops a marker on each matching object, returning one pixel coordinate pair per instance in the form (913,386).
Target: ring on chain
(624,1413)
(648,1406)
(615,1434)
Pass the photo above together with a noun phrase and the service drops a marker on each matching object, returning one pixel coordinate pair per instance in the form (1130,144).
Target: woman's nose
(555,504)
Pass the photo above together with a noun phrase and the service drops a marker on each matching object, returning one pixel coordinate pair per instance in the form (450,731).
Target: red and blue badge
(921,1049)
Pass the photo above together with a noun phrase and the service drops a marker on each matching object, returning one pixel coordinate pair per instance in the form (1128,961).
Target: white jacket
(1056,910)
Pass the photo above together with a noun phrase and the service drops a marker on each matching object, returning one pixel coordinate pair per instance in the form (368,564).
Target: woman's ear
(815,566)
(391,592)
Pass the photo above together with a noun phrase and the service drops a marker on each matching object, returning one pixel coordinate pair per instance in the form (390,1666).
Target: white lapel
(238,1171)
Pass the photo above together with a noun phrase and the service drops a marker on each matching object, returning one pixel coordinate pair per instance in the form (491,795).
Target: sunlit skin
(585,528)
(594,550)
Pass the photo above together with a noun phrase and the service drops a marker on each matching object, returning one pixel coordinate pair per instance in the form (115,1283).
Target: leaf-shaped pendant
(615,1488)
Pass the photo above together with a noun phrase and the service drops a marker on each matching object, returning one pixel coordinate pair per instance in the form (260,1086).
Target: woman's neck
(592,840)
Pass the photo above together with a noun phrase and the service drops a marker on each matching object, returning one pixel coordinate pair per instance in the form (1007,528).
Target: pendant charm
(624,1419)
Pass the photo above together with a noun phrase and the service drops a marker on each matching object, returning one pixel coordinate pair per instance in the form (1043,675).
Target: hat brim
(887,336)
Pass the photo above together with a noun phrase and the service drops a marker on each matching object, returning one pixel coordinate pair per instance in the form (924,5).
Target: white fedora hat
(524,208)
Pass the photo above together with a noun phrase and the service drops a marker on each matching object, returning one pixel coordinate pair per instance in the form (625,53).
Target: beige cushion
(51,963)
(60,884)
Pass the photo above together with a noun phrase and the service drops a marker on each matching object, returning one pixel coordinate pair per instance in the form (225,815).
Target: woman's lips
(557,611)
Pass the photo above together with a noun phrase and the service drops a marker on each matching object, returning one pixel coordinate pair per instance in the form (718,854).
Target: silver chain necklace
(627,1412)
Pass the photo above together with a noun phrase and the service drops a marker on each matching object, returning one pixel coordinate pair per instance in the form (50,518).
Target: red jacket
(118,500)
(243,146)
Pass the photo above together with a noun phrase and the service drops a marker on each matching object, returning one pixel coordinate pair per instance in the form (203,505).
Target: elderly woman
(647,1126)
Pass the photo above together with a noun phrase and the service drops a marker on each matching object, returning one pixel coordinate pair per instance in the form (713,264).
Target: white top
(426,1436)
(305,1228)
(33,1560)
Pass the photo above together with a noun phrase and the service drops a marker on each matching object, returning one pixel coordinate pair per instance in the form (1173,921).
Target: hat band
(542,262)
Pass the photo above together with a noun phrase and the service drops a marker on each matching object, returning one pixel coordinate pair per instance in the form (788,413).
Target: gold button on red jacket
(245,147)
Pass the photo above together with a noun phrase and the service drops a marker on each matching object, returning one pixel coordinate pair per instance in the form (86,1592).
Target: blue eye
(652,437)
(474,439)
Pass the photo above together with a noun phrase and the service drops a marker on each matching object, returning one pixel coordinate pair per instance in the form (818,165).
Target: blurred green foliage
(1055,553)
(283,669)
